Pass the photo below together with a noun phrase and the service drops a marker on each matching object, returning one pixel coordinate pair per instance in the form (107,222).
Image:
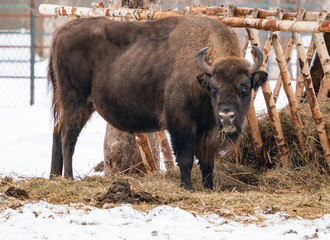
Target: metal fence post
(33,40)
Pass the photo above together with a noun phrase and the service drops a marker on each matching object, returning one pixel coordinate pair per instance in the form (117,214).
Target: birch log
(143,14)
(280,58)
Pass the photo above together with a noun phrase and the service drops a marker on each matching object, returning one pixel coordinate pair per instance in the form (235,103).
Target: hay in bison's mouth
(229,129)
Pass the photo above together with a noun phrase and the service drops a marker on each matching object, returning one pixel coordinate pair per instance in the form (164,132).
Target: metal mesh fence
(23,68)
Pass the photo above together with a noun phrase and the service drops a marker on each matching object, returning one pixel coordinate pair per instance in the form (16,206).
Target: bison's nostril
(227,116)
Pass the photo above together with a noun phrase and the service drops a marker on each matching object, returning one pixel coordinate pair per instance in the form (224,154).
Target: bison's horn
(255,67)
(202,64)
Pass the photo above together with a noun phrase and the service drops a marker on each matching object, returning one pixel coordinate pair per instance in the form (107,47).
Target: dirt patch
(120,192)
(17,193)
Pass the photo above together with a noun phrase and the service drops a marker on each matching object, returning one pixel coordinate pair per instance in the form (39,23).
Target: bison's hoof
(187,186)
(208,186)
(53,176)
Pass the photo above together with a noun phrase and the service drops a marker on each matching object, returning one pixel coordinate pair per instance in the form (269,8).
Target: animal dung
(17,193)
(120,192)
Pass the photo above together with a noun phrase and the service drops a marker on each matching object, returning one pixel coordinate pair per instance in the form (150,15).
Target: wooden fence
(252,19)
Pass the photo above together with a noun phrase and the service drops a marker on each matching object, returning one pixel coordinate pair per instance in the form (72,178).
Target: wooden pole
(245,44)
(166,150)
(258,144)
(242,12)
(278,25)
(146,153)
(280,58)
(269,99)
(287,56)
(143,14)
(300,82)
(316,113)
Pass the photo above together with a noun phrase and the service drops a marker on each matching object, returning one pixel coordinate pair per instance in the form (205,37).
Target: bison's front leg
(207,173)
(183,148)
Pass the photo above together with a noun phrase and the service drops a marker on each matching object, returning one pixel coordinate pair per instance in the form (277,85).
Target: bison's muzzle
(227,122)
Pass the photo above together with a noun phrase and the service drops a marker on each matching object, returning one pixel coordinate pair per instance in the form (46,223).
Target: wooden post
(166,150)
(243,11)
(258,144)
(316,113)
(271,107)
(300,81)
(245,44)
(146,153)
(143,14)
(300,17)
(280,58)
(287,57)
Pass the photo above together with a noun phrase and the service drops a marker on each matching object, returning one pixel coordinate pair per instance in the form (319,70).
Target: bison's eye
(213,91)
(245,89)
(245,92)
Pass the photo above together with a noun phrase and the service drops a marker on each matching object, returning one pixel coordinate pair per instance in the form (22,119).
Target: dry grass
(313,145)
(303,193)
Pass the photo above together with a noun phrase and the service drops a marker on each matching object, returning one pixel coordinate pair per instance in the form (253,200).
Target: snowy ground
(45,221)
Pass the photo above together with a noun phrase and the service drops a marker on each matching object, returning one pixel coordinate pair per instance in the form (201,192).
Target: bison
(183,74)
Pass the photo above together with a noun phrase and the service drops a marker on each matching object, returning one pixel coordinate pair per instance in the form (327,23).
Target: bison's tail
(54,84)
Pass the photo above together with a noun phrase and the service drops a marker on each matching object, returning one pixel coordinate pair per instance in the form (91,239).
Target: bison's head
(229,82)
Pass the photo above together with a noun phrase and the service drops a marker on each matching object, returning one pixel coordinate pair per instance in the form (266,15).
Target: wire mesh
(23,68)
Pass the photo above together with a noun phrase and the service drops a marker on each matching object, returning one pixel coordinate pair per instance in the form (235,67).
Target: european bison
(183,74)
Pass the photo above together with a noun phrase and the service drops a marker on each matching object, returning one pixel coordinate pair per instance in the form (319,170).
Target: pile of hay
(313,145)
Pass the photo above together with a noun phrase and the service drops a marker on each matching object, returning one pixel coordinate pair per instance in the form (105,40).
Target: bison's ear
(205,80)
(258,79)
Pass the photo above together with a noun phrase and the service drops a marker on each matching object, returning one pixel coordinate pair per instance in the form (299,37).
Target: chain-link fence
(23,68)
(25,37)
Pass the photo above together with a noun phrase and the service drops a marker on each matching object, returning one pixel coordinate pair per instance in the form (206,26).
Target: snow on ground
(45,221)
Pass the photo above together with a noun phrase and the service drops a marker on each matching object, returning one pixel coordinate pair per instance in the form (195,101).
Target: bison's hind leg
(73,118)
(57,159)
